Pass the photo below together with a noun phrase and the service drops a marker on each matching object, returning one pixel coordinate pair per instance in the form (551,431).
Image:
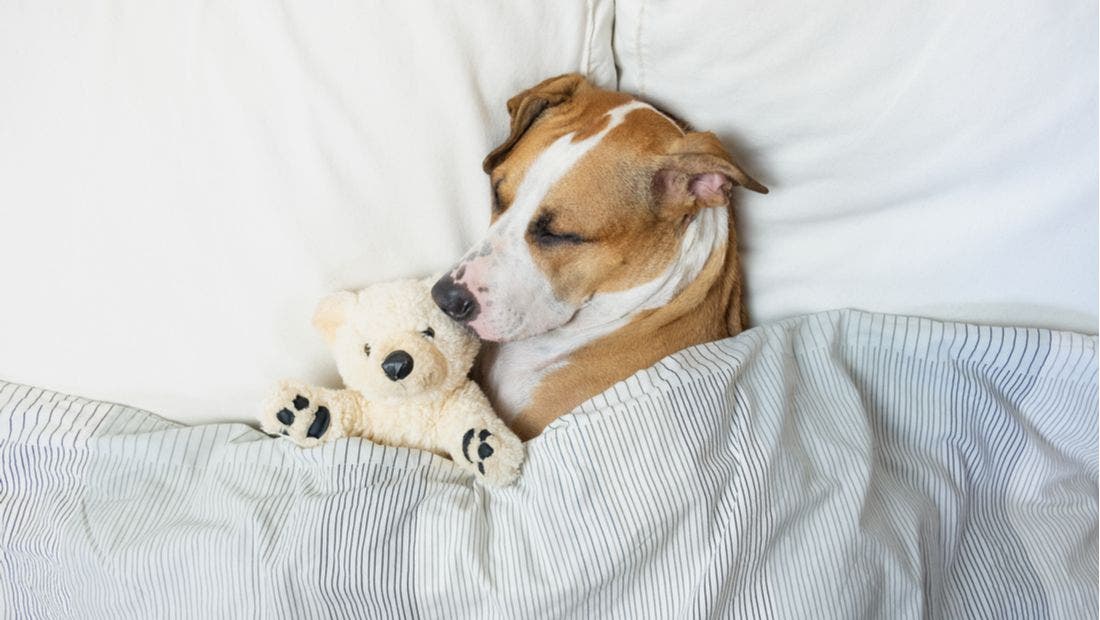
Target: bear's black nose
(455,299)
(397,365)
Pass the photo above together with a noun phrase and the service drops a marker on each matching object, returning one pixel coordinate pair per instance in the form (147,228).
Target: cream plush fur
(435,406)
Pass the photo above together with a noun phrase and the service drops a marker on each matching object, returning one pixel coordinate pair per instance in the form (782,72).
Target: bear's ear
(331,313)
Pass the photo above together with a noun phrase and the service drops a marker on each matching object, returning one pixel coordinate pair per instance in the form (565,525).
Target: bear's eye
(430,333)
(366,349)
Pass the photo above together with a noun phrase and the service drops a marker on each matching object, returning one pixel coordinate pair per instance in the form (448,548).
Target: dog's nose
(397,365)
(455,299)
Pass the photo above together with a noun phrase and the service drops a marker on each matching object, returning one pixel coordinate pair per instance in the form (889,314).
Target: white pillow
(936,158)
(181,182)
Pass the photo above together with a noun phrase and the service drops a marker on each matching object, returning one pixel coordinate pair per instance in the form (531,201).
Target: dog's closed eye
(542,232)
(430,333)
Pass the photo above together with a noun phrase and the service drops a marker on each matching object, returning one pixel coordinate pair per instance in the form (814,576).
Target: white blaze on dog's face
(596,198)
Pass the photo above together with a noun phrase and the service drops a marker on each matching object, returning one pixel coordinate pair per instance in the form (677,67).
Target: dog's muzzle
(455,299)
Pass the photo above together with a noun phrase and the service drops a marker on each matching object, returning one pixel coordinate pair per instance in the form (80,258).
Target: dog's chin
(484,333)
(488,333)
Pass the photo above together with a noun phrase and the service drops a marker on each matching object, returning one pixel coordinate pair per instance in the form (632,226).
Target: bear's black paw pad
(285,416)
(300,402)
(483,450)
(320,423)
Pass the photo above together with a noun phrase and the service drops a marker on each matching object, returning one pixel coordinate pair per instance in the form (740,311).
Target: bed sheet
(836,465)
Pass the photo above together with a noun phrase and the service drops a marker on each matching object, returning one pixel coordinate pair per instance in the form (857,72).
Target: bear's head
(391,341)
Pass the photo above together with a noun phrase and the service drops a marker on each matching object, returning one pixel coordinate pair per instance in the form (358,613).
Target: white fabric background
(927,157)
(181,182)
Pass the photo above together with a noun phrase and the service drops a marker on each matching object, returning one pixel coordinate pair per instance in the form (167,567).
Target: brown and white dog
(612,245)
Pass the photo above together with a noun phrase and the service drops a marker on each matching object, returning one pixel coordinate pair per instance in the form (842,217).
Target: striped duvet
(841,465)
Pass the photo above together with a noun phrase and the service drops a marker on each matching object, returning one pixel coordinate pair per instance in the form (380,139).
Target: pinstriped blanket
(837,465)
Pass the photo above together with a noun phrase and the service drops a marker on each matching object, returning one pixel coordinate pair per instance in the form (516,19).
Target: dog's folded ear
(526,107)
(698,173)
(331,313)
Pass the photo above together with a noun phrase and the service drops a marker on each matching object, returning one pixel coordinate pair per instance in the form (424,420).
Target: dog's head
(596,198)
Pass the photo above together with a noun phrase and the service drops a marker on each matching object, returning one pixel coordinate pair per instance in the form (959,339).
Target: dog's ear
(525,107)
(696,173)
(332,312)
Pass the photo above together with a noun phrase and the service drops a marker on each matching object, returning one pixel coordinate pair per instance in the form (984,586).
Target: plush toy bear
(405,365)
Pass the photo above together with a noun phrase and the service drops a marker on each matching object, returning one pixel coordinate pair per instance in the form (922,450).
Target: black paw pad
(300,402)
(320,423)
(484,450)
(285,416)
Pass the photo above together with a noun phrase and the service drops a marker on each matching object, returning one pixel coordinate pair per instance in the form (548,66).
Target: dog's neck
(535,380)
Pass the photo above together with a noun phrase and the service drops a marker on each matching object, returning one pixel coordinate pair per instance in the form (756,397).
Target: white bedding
(841,465)
(927,157)
(179,183)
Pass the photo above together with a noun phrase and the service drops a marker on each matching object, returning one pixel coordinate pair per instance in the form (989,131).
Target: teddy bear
(405,366)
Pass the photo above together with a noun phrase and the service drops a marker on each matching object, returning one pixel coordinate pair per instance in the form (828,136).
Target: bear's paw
(301,413)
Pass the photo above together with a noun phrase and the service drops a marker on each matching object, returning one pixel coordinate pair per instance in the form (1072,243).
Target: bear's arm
(477,439)
(352,407)
(310,415)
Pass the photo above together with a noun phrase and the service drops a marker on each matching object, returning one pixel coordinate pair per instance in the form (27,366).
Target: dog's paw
(301,413)
(496,457)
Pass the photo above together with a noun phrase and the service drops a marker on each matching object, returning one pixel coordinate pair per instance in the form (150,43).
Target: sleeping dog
(612,245)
